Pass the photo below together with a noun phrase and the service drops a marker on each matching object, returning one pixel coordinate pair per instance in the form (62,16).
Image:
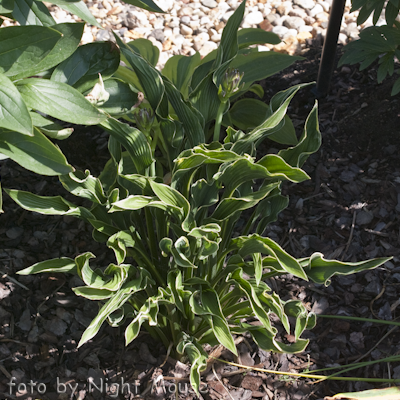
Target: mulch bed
(348,211)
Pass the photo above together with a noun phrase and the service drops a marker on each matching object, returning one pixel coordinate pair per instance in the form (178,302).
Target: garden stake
(326,65)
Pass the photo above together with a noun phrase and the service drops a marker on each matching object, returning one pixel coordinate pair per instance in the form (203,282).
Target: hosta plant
(185,198)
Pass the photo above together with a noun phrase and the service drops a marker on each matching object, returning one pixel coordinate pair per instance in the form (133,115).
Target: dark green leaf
(81,70)
(59,100)
(78,8)
(32,12)
(249,36)
(148,5)
(23,47)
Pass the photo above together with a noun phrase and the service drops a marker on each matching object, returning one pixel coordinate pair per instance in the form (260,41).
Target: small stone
(25,322)
(56,326)
(294,23)
(254,18)
(199,40)
(186,30)
(364,217)
(209,3)
(158,34)
(14,232)
(306,4)
(280,30)
(226,16)
(167,45)
(316,10)
(208,47)
(266,26)
(284,8)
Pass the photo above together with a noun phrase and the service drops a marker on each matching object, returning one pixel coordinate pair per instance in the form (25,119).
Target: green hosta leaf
(249,287)
(146,49)
(81,70)
(84,185)
(203,194)
(206,303)
(269,209)
(248,113)
(66,45)
(257,89)
(133,203)
(179,70)
(258,66)
(59,100)
(14,114)
(228,47)
(35,153)
(119,242)
(267,342)
(197,357)
(149,77)
(249,36)
(23,47)
(277,166)
(112,279)
(170,196)
(321,270)
(229,206)
(194,127)
(247,245)
(148,312)
(296,309)
(50,128)
(114,303)
(78,8)
(62,264)
(32,12)
(146,5)
(48,205)
(309,142)
(180,296)
(134,141)
(285,134)
(93,294)
(178,252)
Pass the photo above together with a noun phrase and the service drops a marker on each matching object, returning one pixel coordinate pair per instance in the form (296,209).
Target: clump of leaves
(189,269)
(376,42)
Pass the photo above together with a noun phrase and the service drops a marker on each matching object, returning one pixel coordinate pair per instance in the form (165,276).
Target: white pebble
(208,47)
(254,18)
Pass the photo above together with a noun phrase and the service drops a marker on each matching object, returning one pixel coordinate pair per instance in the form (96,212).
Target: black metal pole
(327,63)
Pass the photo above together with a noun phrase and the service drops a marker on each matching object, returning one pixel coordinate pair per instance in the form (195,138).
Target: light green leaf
(93,294)
(14,114)
(81,70)
(391,393)
(23,47)
(35,153)
(62,264)
(258,66)
(149,77)
(119,242)
(148,5)
(249,36)
(134,141)
(50,128)
(84,185)
(197,357)
(79,9)
(59,100)
(32,12)
(6,7)
(192,124)
(48,205)
(320,270)
(146,49)
(247,245)
(309,142)
(179,70)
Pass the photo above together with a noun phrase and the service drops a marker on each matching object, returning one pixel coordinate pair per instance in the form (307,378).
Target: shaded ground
(349,211)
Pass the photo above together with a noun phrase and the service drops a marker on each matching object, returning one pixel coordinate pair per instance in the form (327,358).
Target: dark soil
(348,211)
